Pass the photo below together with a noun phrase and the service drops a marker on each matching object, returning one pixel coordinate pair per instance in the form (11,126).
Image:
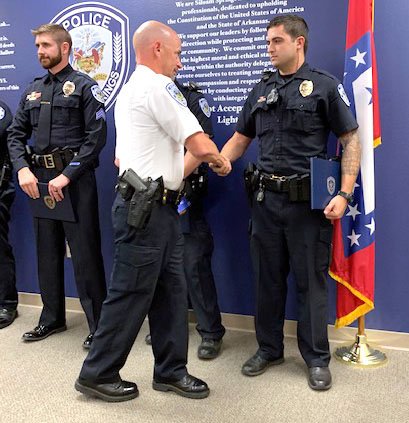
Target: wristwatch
(348,197)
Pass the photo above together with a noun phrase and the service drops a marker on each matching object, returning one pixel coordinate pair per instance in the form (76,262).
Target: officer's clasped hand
(222,166)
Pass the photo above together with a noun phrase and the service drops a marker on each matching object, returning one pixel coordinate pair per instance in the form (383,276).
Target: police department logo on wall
(100,44)
(331,185)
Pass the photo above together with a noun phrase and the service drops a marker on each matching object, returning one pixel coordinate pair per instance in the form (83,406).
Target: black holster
(251,179)
(142,195)
(5,173)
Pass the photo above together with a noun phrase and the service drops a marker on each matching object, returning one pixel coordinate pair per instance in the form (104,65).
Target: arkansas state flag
(353,260)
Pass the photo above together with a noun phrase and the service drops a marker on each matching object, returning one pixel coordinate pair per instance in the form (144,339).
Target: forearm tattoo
(351,155)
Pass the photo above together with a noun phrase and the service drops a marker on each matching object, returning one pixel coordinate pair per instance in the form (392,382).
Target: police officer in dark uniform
(199,245)
(63,112)
(8,291)
(292,111)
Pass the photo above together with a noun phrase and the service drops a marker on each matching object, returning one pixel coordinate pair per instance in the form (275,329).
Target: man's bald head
(149,33)
(157,46)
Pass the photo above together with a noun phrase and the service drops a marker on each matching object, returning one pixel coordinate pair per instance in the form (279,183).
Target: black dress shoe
(257,365)
(88,341)
(111,392)
(148,339)
(41,332)
(189,386)
(209,348)
(319,378)
(7,317)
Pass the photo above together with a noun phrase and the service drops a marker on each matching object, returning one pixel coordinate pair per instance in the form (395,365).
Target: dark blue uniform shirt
(296,126)
(78,120)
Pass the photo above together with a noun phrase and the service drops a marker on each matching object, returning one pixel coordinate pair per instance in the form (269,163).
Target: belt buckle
(49,161)
(278,178)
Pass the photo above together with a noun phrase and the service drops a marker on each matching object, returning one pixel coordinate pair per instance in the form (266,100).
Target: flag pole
(360,353)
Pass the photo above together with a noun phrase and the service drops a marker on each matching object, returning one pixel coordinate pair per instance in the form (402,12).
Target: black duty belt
(55,160)
(275,183)
(297,186)
(171,197)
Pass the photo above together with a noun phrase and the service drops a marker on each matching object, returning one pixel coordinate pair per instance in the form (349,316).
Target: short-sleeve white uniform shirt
(152,124)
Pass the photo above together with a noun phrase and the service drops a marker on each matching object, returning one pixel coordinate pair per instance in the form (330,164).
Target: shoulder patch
(343,95)
(175,93)
(97,93)
(204,105)
(2,113)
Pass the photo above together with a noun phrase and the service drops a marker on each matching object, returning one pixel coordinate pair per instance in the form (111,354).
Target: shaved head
(149,33)
(158,46)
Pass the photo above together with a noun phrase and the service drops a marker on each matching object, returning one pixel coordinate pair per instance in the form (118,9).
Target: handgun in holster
(251,178)
(141,196)
(196,183)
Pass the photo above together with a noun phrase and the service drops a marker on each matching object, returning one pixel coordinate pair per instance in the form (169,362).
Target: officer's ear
(65,48)
(300,42)
(157,48)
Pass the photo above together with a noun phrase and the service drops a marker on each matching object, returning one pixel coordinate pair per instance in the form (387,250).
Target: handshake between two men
(200,148)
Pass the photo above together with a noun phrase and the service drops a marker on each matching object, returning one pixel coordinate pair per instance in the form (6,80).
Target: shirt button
(278,157)
(277,139)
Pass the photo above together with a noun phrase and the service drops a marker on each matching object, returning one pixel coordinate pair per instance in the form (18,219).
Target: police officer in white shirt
(153,126)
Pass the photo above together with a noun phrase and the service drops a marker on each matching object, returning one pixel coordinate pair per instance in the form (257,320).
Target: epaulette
(323,72)
(265,76)
(192,86)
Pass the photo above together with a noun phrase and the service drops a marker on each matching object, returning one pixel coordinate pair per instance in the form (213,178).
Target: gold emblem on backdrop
(306,88)
(68,88)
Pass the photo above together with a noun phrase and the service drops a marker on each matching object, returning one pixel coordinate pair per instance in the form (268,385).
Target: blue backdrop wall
(224,51)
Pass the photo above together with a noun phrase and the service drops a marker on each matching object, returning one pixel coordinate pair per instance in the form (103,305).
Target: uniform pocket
(301,112)
(262,117)
(67,109)
(136,268)
(33,107)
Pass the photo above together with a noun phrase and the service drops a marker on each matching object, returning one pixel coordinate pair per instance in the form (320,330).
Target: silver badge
(68,88)
(306,88)
(343,94)
(204,105)
(331,185)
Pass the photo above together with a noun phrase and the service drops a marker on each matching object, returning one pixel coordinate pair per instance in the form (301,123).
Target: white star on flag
(353,211)
(356,185)
(354,238)
(371,226)
(359,58)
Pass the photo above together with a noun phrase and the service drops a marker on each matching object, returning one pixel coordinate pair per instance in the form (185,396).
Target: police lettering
(111,83)
(86,19)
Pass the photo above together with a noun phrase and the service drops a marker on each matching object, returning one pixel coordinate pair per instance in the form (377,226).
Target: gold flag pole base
(360,354)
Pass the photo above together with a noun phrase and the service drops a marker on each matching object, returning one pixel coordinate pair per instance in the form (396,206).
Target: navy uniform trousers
(198,271)
(147,279)
(84,239)
(288,235)
(8,291)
